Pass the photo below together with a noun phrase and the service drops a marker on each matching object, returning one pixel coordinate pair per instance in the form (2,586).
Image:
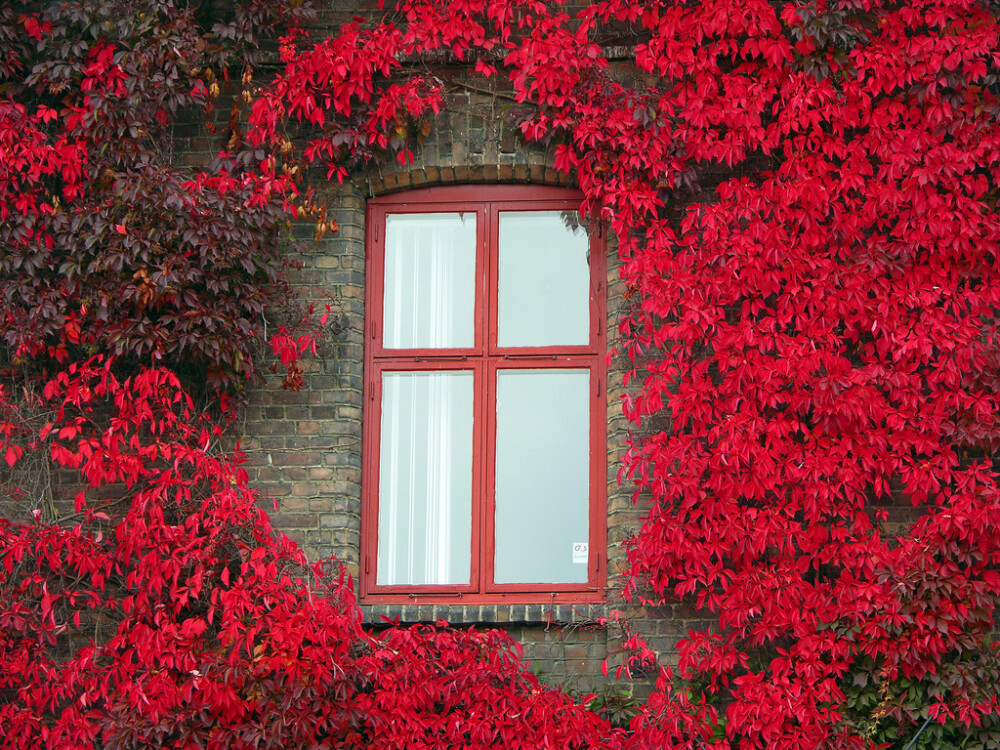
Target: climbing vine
(804,196)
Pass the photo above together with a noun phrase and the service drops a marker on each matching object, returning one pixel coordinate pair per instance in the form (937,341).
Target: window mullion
(488,415)
(486,462)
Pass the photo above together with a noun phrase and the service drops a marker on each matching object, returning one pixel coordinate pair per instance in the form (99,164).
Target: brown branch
(497,94)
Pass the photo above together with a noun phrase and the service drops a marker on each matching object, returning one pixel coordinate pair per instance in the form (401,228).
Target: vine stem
(919,732)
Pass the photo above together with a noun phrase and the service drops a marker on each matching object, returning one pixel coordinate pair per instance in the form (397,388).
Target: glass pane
(430,281)
(425,478)
(544,279)
(542,476)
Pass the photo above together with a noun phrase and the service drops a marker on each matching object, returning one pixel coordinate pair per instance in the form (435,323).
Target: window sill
(458,612)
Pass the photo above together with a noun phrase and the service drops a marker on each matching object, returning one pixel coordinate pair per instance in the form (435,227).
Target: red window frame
(484,358)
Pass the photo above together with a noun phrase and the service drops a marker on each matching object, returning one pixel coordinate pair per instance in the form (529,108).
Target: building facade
(314,450)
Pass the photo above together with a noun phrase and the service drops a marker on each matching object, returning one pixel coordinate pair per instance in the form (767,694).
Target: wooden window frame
(484,359)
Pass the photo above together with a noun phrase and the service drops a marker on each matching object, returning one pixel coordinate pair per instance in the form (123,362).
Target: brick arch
(421,176)
(474,140)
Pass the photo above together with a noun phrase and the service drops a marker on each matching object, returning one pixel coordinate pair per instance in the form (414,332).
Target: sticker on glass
(581,552)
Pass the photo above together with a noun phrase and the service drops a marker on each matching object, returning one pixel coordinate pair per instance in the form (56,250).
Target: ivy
(110,244)
(804,196)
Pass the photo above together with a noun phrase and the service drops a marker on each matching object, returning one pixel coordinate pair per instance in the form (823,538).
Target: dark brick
(294,520)
(296,459)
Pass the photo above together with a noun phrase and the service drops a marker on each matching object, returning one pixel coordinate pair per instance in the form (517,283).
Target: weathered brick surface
(304,447)
(567,655)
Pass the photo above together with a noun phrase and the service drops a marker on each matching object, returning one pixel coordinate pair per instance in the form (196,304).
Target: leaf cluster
(172,615)
(111,244)
(816,324)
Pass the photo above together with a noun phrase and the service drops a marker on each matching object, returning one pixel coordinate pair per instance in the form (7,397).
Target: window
(484,428)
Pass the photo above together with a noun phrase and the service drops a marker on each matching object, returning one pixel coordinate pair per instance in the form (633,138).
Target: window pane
(430,281)
(542,476)
(425,478)
(544,279)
